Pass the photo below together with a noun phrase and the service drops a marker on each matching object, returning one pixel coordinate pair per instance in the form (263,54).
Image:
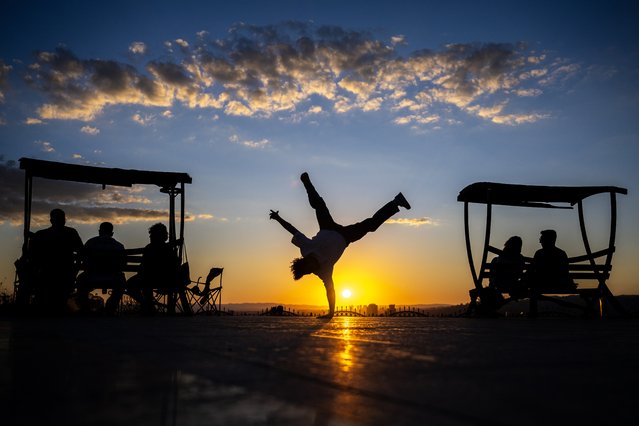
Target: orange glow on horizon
(357,287)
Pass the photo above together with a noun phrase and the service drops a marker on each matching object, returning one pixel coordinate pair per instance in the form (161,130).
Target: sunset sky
(370,97)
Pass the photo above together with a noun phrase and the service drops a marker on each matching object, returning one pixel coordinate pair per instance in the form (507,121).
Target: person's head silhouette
(548,238)
(158,233)
(304,266)
(57,218)
(106,229)
(513,245)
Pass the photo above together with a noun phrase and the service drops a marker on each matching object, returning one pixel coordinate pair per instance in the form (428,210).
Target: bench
(133,260)
(192,300)
(163,296)
(580,268)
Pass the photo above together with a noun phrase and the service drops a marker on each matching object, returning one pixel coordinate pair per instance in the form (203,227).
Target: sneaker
(402,201)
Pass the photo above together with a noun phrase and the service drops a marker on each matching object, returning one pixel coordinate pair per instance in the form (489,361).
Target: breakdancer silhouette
(320,253)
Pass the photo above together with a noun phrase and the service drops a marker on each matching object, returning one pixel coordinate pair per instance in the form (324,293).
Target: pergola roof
(101,175)
(530,195)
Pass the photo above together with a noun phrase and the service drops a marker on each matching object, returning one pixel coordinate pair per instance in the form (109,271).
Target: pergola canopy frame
(171,183)
(490,194)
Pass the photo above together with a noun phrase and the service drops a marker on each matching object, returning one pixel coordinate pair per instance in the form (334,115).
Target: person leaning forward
(159,270)
(54,252)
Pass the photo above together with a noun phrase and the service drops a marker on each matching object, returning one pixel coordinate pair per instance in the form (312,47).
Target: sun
(346,293)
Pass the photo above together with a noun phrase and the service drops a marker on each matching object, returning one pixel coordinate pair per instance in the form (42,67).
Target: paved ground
(305,371)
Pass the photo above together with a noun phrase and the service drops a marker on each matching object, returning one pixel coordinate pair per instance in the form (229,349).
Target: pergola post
(28,182)
(469,251)
(182,208)
(484,255)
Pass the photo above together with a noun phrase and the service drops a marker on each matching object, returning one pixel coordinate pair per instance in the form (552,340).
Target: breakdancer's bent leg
(356,231)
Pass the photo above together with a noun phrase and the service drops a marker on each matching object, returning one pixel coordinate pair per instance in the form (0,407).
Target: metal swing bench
(594,266)
(170,183)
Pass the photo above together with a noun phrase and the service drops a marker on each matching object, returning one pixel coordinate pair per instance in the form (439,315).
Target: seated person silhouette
(54,252)
(320,253)
(507,269)
(104,261)
(158,270)
(549,269)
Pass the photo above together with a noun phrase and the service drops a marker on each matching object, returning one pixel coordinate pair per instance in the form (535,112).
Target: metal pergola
(170,183)
(536,196)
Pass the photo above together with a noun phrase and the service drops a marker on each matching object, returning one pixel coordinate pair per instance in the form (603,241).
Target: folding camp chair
(207,300)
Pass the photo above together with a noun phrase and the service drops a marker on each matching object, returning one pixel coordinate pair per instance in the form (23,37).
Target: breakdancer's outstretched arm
(275,215)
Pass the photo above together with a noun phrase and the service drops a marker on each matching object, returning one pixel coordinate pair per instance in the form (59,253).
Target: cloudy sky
(371,98)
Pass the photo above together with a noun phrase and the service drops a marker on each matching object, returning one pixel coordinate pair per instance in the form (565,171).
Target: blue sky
(371,98)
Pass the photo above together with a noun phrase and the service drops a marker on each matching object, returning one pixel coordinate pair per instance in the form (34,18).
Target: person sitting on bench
(158,270)
(549,270)
(104,261)
(54,252)
(507,269)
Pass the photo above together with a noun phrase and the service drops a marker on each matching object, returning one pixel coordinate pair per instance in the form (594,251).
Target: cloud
(45,146)
(182,43)
(259,71)
(421,221)
(207,216)
(237,108)
(80,89)
(30,121)
(515,119)
(4,79)
(398,39)
(528,92)
(12,197)
(142,120)
(90,130)
(115,215)
(417,119)
(137,48)
(249,143)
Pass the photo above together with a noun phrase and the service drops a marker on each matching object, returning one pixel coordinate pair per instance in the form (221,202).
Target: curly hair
(158,232)
(303,266)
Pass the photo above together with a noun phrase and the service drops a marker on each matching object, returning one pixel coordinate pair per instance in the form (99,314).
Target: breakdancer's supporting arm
(330,295)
